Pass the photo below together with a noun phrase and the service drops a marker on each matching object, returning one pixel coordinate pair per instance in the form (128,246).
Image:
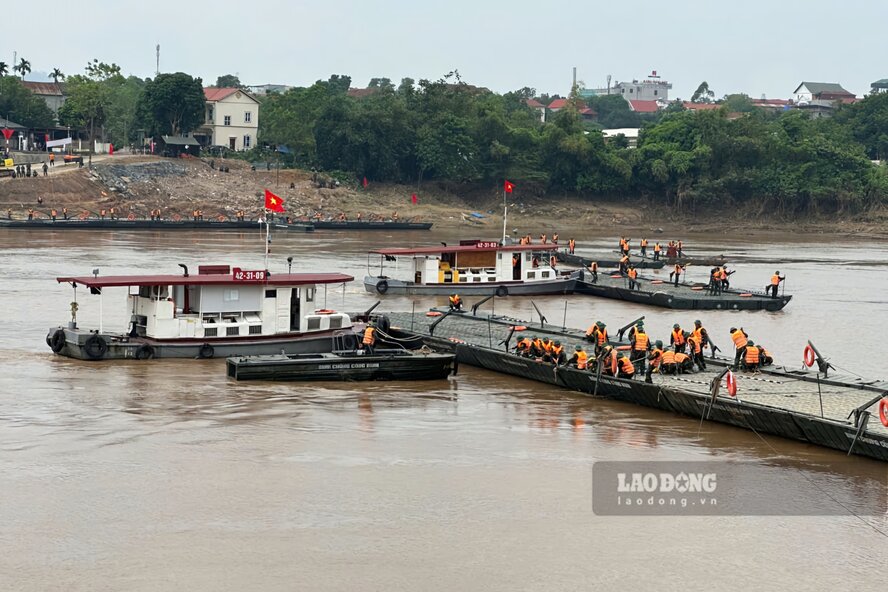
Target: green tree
(172,104)
(703,94)
(22,106)
(381,83)
(86,106)
(56,75)
(228,81)
(23,68)
(4,68)
(738,103)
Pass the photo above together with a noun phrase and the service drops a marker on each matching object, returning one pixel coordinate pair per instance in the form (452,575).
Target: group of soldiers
(643,355)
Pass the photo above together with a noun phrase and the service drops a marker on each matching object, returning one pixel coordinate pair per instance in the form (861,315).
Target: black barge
(838,412)
(391,364)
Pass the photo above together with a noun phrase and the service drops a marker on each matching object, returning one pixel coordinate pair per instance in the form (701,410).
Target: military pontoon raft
(218,223)
(685,296)
(817,407)
(581,261)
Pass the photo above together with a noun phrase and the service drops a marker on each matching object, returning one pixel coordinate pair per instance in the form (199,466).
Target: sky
(755,47)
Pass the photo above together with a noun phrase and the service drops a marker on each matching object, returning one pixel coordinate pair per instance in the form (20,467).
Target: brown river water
(163,475)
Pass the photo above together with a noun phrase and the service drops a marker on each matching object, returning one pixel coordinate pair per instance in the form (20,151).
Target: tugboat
(219,312)
(473,268)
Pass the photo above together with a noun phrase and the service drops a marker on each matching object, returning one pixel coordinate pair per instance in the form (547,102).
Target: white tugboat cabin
(218,312)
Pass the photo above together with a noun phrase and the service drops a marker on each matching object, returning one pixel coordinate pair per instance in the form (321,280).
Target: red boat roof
(284,279)
(464,249)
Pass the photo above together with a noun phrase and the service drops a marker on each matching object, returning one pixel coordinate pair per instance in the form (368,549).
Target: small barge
(220,223)
(845,413)
(370,225)
(571,259)
(382,364)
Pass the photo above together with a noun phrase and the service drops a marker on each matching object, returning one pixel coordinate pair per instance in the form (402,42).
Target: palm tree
(56,74)
(23,68)
(4,69)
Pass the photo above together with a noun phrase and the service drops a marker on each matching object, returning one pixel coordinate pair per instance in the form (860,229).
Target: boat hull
(370,225)
(393,365)
(119,346)
(118,224)
(375,284)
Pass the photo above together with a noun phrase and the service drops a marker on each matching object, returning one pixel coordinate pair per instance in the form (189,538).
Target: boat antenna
(505,212)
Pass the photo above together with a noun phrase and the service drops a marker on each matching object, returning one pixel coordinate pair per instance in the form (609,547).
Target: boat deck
(790,398)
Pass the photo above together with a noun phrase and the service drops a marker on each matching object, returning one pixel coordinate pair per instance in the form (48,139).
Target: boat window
(335,322)
(309,294)
(230,295)
(545,274)
(531,275)
(271,293)
(232,331)
(314,323)
(144,291)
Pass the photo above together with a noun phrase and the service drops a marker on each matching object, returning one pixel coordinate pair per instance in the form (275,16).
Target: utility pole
(157,69)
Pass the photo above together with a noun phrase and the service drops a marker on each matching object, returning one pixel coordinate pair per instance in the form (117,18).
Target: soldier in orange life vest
(695,347)
(676,338)
(543,238)
(522,348)
(683,363)
(633,278)
(571,246)
(640,344)
(715,283)
(624,264)
(607,360)
(775,281)
(680,252)
(580,359)
(30,214)
(667,362)
(369,340)
(552,261)
(555,239)
(654,359)
(765,358)
(644,247)
(455,302)
(537,348)
(535,262)
(53,213)
(556,354)
(65,213)
(657,249)
(676,273)
(752,358)
(741,340)
(102,213)
(625,367)
(593,267)
(597,334)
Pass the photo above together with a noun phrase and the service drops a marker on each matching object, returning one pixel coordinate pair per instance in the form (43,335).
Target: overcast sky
(759,47)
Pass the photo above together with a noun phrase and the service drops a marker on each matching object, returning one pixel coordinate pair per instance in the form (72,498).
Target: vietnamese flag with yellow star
(273,202)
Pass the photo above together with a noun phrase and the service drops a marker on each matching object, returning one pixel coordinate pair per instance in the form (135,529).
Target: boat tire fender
(57,341)
(883,411)
(95,347)
(144,352)
(383,324)
(502,291)
(206,352)
(382,286)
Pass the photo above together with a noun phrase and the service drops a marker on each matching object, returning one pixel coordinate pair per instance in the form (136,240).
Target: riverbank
(138,184)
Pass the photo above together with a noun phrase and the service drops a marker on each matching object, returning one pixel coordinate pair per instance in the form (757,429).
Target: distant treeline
(446,130)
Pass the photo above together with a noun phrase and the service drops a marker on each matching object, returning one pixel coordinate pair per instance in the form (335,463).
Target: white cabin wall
(220,298)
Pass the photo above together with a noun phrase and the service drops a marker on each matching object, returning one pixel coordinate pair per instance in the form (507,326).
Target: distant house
(630,133)
(360,93)
(879,86)
(178,145)
(52,94)
(699,106)
(772,104)
(538,107)
(822,91)
(232,119)
(586,114)
(644,106)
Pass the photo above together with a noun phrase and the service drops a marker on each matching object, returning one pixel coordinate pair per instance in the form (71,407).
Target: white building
(232,119)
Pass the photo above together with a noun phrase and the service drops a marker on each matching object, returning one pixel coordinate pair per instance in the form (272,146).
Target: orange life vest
(455,300)
(641,341)
(657,248)
(626,366)
(695,341)
(680,358)
(602,336)
(644,242)
(369,336)
(752,355)
(655,356)
(594,266)
(668,357)
(739,338)
(775,279)
(582,360)
(678,337)
(633,273)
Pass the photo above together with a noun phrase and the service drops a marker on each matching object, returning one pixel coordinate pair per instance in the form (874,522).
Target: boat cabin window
(309,294)
(271,293)
(230,295)
(162,292)
(449,259)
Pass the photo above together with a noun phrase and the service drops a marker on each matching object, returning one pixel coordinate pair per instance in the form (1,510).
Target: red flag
(508,187)
(365,183)
(414,199)
(273,202)
(7,133)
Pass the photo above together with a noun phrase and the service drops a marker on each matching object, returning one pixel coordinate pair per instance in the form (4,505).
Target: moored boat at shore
(472,268)
(219,312)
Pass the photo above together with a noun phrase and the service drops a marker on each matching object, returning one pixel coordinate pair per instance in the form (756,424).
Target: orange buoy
(696,288)
(808,356)
(624,347)
(518,328)
(616,277)
(656,281)
(745,295)
(883,411)
(433,313)
(84,215)
(220,218)
(731,383)
(324,311)
(176,217)
(131,217)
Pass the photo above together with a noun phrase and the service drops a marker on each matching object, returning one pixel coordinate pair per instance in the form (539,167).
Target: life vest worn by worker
(523,345)
(455,302)
(657,247)
(678,336)
(695,343)
(601,336)
(739,339)
(655,357)
(775,279)
(626,366)
(538,348)
(582,360)
(633,274)
(641,341)
(752,356)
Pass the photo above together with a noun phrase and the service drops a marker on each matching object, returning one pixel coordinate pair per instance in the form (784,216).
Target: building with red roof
(644,106)
(231,119)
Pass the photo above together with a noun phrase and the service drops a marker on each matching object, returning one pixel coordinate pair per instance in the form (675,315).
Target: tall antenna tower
(157,70)
(608,84)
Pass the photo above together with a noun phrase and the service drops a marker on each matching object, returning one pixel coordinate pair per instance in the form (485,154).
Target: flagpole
(267,238)
(505,212)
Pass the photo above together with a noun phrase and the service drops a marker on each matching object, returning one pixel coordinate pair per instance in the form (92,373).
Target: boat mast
(505,214)
(267,239)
